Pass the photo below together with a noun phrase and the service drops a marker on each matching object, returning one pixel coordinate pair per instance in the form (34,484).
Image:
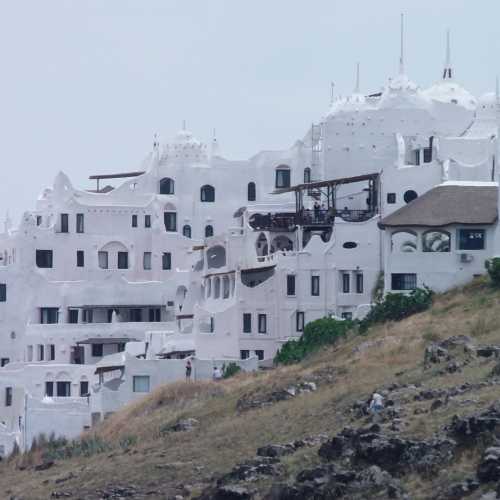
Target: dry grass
(388,353)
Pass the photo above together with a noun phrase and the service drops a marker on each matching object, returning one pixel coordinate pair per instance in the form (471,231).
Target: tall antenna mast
(332,85)
(401,55)
(447,72)
(356,89)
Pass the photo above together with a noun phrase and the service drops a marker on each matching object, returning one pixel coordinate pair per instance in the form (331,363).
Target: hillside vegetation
(200,440)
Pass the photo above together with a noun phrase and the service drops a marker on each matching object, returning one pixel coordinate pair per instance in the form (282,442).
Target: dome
(354,102)
(185,146)
(448,91)
(401,92)
(184,137)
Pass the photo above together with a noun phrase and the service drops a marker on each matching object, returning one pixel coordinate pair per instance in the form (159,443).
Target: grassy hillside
(137,454)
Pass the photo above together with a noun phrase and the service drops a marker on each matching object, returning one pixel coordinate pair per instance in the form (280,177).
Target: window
(146,261)
(212,324)
(122,260)
(80,258)
(120,347)
(73,316)
(244,354)
(410,195)
(346,315)
(80,227)
(134,220)
(109,315)
(290,284)
(64,223)
(262,323)
(167,186)
(170,220)
(428,151)
(166,261)
(402,281)
(471,239)
(8,396)
(40,352)
(63,389)
(44,258)
(403,242)
(209,231)
(346,283)
(207,193)
(186,231)
(147,221)
(359,282)
(154,314)
(97,350)
(282,177)
(315,286)
(49,389)
(49,315)
(102,257)
(3,292)
(391,198)
(307,175)
(4,361)
(84,388)
(88,316)
(349,245)
(52,352)
(260,354)
(299,321)
(38,220)
(436,241)
(135,315)
(251,192)
(247,323)
(141,383)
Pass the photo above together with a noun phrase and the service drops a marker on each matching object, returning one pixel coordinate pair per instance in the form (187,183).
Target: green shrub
(397,306)
(493,268)
(230,370)
(318,333)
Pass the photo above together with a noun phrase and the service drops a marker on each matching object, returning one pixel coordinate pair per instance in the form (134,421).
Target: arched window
(307,175)
(167,186)
(404,242)
(186,231)
(410,195)
(436,241)
(282,177)
(207,193)
(209,231)
(251,192)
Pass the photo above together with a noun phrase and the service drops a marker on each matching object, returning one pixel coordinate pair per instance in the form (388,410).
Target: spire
(356,89)
(401,54)
(332,85)
(183,124)
(447,72)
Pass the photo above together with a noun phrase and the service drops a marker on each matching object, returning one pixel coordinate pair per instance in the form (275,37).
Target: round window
(410,195)
(350,244)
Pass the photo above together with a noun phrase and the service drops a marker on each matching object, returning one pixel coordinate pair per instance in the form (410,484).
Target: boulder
(488,469)
(466,430)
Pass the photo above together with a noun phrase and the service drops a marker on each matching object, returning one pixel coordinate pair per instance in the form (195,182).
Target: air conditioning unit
(466,257)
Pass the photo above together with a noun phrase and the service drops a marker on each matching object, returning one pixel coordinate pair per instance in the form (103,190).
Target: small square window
(244,354)
(97,350)
(260,354)
(391,198)
(141,383)
(471,239)
(44,258)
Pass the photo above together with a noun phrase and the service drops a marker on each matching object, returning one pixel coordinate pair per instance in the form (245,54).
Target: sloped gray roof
(448,204)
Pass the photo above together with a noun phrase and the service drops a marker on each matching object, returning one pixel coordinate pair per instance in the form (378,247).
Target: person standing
(189,369)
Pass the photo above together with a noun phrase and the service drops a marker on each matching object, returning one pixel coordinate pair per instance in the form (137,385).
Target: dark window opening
(391,198)
(207,193)
(166,261)
(84,389)
(155,315)
(350,245)
(282,178)
(346,315)
(38,220)
(307,175)
(346,283)
(122,260)
(80,258)
(260,354)
(471,239)
(44,258)
(251,192)
(359,282)
(147,221)
(403,281)
(4,361)
(410,195)
(135,315)
(3,292)
(186,231)
(63,389)
(209,231)
(299,321)
(428,151)
(73,316)
(290,284)
(8,396)
(170,220)
(52,352)
(247,323)
(49,315)
(64,223)
(49,389)
(315,286)
(88,316)
(244,354)
(167,186)
(134,220)
(80,228)
(97,350)
(262,323)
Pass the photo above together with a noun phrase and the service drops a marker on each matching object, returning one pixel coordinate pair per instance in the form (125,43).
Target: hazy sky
(86,83)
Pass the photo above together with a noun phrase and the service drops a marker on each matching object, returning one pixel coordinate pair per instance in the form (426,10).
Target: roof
(332,182)
(448,204)
(106,340)
(119,175)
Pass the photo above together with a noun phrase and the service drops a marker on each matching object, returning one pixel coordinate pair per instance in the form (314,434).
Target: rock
(186,425)
(495,372)
(488,469)
(61,494)
(438,403)
(228,493)
(63,479)
(276,450)
(44,465)
(460,490)
(466,429)
(251,469)
(488,351)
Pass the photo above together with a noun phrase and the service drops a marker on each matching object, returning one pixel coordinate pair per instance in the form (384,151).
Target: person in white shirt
(217,374)
(377,403)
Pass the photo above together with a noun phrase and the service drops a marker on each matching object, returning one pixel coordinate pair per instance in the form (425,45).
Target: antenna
(183,124)
(447,72)
(356,90)
(401,55)
(497,91)
(332,85)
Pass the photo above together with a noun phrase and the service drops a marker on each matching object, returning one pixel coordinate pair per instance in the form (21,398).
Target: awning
(332,182)
(108,340)
(111,363)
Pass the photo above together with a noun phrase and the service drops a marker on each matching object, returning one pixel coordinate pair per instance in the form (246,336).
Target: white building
(102,293)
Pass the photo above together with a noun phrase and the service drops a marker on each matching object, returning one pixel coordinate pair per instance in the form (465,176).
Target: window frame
(64,223)
(299,321)
(147,221)
(291,285)
(460,239)
(170,221)
(247,323)
(8,396)
(251,191)
(97,350)
(408,281)
(262,323)
(103,255)
(122,260)
(147,261)
(44,259)
(359,281)
(391,198)
(3,292)
(281,180)
(207,193)
(135,220)
(80,258)
(170,186)
(166,261)
(315,285)
(80,223)
(346,282)
(186,231)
